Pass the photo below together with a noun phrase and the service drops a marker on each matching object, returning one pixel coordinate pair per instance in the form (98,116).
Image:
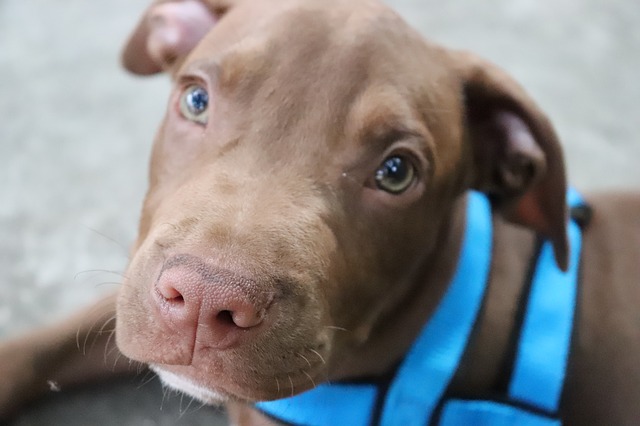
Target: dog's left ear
(517,158)
(168,31)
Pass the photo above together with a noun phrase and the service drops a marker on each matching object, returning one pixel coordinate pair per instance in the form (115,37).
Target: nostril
(177,299)
(170,293)
(226,317)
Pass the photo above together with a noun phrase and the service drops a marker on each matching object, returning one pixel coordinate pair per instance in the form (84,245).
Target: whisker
(114,283)
(115,361)
(89,333)
(99,332)
(333,327)
(102,329)
(200,406)
(291,383)
(78,338)
(107,351)
(305,358)
(98,307)
(140,367)
(148,378)
(113,349)
(190,404)
(98,271)
(164,397)
(180,410)
(118,243)
(318,354)
(310,378)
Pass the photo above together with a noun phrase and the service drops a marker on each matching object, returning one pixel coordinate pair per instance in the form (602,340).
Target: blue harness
(417,393)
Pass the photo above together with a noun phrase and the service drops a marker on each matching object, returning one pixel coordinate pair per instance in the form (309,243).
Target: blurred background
(75,134)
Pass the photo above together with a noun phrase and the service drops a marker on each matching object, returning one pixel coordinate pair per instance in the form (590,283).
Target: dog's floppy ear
(517,158)
(168,31)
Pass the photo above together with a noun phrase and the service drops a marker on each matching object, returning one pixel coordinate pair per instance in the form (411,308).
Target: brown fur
(276,196)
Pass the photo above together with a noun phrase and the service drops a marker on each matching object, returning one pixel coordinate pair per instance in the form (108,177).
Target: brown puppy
(276,251)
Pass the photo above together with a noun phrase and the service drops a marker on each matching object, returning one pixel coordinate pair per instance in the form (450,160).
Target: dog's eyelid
(204,69)
(402,136)
(185,81)
(392,135)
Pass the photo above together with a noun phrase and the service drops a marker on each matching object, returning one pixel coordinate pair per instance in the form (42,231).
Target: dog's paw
(17,376)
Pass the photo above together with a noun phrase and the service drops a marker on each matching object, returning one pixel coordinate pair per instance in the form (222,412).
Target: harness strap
(545,340)
(324,404)
(491,413)
(534,393)
(433,360)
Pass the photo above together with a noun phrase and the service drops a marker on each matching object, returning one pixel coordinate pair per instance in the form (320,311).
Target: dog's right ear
(517,158)
(168,31)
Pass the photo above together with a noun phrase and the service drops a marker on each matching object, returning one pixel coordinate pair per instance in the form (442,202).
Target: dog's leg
(79,350)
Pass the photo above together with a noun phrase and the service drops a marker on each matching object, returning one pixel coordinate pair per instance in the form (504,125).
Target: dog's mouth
(244,384)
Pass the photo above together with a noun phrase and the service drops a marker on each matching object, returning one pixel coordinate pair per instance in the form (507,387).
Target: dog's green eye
(395,175)
(194,103)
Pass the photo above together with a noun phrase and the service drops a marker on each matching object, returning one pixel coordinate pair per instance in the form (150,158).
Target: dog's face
(308,161)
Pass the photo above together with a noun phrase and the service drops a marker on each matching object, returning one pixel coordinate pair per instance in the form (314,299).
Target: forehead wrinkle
(380,113)
(248,57)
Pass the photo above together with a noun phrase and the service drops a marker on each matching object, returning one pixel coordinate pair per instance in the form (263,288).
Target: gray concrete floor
(75,132)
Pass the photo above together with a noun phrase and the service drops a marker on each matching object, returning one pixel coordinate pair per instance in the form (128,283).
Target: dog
(319,180)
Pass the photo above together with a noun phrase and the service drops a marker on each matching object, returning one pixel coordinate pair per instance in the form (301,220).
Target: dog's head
(304,179)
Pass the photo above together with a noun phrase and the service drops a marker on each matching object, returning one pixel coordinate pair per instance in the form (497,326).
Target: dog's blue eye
(194,103)
(395,175)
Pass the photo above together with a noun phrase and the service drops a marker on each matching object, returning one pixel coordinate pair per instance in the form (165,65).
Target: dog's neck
(396,330)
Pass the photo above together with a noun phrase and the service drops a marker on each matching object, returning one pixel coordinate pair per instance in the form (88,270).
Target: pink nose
(217,306)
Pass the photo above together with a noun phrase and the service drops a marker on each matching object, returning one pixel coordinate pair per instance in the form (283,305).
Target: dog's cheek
(381,255)
(177,146)
(181,144)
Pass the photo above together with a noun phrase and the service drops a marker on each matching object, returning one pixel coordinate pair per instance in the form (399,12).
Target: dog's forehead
(323,71)
(307,40)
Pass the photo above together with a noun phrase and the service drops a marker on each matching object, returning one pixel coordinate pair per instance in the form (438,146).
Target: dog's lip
(190,387)
(217,388)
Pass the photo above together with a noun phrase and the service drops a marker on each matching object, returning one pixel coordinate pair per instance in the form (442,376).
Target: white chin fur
(188,387)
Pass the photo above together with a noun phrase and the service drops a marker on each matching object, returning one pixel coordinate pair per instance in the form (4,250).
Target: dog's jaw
(188,387)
